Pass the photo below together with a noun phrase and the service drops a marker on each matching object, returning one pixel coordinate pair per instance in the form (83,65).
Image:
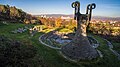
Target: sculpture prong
(76,5)
(89,10)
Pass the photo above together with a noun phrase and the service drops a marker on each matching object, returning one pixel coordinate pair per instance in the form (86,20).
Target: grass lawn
(65,30)
(50,57)
(116,46)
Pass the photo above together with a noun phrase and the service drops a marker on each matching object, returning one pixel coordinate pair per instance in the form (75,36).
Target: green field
(47,57)
(116,47)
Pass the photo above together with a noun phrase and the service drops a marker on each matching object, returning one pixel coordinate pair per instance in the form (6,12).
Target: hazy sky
(109,8)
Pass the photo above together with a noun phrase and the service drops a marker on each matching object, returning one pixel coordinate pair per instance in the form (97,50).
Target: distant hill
(106,18)
(71,15)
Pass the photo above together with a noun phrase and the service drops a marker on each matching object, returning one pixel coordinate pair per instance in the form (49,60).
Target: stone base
(79,52)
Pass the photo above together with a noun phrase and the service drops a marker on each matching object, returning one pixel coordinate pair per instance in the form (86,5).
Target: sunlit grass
(65,30)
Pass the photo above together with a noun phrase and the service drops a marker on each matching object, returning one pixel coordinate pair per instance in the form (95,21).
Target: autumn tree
(58,22)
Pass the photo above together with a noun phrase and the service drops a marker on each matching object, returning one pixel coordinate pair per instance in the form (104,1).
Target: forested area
(13,14)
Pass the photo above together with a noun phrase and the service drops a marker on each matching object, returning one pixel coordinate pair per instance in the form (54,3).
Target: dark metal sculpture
(79,48)
(76,5)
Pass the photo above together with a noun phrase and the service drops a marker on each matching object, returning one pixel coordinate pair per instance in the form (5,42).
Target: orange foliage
(58,22)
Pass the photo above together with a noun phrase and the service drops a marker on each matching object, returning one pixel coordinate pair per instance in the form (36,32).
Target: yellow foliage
(58,22)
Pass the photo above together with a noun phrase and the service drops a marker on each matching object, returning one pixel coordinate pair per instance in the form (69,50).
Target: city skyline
(108,8)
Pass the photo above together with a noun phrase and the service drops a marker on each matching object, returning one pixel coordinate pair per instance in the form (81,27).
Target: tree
(58,22)
(4,11)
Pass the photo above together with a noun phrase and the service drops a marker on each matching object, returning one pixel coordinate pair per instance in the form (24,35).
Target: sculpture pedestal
(78,51)
(79,48)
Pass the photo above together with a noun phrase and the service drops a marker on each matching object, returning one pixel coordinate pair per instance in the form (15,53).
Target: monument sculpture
(80,48)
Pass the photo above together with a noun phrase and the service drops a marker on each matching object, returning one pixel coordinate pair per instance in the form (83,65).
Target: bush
(14,53)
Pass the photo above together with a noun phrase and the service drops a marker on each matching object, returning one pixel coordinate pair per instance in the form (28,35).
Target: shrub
(15,53)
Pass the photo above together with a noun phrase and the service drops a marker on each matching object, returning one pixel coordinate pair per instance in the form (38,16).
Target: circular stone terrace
(56,40)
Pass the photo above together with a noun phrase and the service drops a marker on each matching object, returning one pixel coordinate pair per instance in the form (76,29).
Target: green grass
(45,54)
(116,46)
(50,57)
(109,59)
(65,30)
